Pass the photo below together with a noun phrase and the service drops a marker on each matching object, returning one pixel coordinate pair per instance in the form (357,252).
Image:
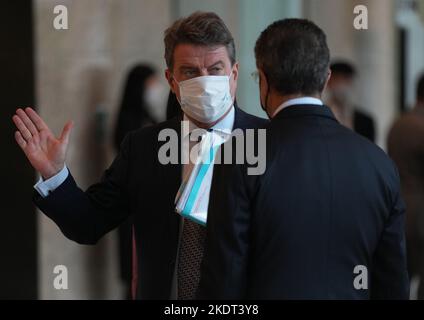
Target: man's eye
(216,70)
(189,73)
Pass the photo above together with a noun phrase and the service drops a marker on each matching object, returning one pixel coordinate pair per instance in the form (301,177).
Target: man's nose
(204,72)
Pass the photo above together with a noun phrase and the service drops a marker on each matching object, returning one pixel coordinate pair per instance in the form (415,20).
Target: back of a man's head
(420,90)
(294,56)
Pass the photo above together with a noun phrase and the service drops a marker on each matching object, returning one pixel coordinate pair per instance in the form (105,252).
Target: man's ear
(263,87)
(233,80)
(235,71)
(169,77)
(263,81)
(328,79)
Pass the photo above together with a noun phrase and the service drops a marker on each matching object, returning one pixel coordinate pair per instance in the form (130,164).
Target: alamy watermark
(60,22)
(60,282)
(360,282)
(246,147)
(360,22)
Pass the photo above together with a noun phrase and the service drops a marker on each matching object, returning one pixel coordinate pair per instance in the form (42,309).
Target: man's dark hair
(200,28)
(420,88)
(343,68)
(294,56)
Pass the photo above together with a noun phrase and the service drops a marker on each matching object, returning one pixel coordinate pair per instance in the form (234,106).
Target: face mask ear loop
(265,107)
(173,78)
(266,101)
(229,76)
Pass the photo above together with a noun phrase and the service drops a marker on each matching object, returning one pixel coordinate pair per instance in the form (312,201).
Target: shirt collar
(298,101)
(225,125)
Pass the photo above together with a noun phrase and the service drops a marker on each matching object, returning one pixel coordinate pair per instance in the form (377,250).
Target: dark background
(18,232)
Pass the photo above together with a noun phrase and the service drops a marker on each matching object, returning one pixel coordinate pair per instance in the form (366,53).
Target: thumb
(66,132)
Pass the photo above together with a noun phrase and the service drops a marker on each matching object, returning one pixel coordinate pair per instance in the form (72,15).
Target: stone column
(372,51)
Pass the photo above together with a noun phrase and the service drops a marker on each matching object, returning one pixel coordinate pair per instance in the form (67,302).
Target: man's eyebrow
(220,62)
(188,67)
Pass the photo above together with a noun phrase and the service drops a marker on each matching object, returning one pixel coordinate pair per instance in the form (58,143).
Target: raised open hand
(45,152)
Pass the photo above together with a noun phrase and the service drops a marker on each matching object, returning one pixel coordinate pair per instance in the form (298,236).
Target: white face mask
(207,98)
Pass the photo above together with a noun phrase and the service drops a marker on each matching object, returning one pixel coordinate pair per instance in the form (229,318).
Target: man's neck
(275,100)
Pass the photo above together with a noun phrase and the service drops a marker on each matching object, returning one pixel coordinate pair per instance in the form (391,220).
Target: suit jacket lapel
(170,176)
(239,118)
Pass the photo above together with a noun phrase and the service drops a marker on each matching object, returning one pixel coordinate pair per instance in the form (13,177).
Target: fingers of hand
(26,134)
(36,119)
(27,122)
(64,137)
(20,140)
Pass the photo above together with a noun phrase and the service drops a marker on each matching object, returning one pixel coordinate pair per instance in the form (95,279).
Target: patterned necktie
(191,251)
(190,258)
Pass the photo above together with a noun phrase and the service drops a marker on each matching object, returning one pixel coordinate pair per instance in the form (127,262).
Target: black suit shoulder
(373,154)
(244,120)
(325,190)
(356,142)
(151,132)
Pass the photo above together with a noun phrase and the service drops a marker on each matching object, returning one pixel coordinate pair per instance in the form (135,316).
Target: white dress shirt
(298,101)
(44,187)
(225,125)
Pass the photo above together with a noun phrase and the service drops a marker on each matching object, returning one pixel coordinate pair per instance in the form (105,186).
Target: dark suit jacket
(135,184)
(328,201)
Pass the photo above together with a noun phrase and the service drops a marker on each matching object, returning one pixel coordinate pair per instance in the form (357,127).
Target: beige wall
(79,71)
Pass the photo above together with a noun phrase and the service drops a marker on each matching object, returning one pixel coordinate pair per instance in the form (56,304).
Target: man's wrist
(44,187)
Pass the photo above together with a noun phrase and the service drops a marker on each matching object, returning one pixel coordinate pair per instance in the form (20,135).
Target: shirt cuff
(44,187)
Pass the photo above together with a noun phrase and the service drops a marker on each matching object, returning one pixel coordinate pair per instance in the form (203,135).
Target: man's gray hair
(200,28)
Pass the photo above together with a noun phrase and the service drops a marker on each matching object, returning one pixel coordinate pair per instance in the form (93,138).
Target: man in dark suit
(340,100)
(406,147)
(202,72)
(325,220)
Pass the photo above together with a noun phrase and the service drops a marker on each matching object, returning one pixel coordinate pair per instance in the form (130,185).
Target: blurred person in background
(142,105)
(143,102)
(339,97)
(406,147)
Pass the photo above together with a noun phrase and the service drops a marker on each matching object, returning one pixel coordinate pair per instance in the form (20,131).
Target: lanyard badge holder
(193,196)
